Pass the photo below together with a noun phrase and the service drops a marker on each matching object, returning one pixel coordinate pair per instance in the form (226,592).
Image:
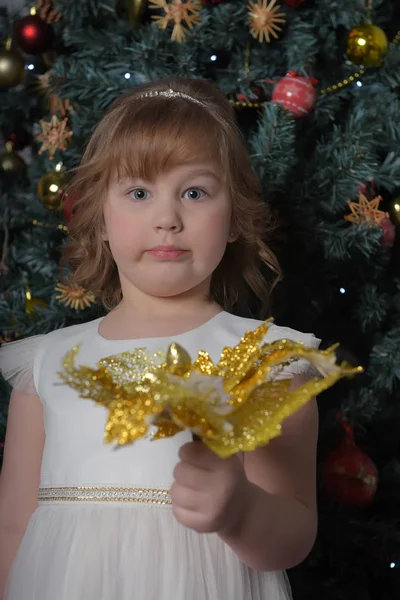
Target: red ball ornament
(349,476)
(69,201)
(294,3)
(296,93)
(33,35)
(389,233)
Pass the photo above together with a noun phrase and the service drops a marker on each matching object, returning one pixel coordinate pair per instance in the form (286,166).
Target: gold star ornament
(233,406)
(74,296)
(180,13)
(265,19)
(366,211)
(55,135)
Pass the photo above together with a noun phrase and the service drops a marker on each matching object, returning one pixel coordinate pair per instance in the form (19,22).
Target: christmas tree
(315,85)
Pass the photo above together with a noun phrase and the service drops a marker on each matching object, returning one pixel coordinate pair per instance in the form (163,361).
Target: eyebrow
(202,173)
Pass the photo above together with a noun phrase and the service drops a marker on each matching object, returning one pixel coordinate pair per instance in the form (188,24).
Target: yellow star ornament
(234,406)
(366,211)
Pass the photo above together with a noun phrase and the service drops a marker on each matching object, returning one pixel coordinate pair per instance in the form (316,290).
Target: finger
(198,454)
(191,476)
(184,497)
(192,520)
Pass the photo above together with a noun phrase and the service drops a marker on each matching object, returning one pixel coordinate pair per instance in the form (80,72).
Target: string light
(59,226)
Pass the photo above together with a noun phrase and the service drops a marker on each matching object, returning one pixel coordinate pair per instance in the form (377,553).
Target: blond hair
(143,135)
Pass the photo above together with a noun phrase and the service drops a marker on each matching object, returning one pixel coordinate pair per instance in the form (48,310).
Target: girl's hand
(210,494)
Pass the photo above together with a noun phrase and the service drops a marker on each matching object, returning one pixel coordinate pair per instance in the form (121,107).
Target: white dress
(104,528)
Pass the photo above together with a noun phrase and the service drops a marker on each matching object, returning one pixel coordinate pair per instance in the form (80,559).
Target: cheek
(121,230)
(216,227)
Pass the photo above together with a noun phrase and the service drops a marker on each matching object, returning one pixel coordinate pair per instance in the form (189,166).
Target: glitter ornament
(350,477)
(366,45)
(296,93)
(233,406)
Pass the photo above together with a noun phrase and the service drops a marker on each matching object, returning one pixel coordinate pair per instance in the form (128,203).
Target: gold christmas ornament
(11,162)
(395,211)
(135,10)
(31,304)
(180,13)
(74,296)
(55,135)
(366,45)
(366,211)
(265,19)
(51,188)
(235,405)
(12,67)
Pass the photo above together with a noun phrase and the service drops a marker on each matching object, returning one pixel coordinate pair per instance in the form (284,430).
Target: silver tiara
(171,94)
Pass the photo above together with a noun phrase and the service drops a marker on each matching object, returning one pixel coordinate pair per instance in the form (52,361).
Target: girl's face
(167,236)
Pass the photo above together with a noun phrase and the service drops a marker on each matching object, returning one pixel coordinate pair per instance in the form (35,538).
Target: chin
(169,288)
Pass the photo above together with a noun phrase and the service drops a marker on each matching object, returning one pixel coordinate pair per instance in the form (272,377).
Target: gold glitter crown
(234,406)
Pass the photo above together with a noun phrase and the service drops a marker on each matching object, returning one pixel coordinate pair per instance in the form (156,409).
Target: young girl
(168,229)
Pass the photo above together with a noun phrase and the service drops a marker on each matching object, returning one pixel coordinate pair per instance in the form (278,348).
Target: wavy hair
(143,135)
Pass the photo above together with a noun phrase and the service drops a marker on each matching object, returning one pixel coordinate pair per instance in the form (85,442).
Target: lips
(166,252)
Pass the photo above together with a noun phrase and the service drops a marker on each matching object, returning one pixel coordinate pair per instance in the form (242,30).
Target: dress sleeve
(17,361)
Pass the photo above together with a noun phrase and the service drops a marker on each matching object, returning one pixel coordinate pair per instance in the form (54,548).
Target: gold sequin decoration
(235,405)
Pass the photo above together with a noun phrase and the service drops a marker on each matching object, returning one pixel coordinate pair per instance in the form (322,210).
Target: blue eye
(139,194)
(194,194)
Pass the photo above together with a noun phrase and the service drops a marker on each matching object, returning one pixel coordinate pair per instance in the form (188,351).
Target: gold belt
(104,494)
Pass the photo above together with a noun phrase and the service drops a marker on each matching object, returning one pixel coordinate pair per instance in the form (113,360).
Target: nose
(168,217)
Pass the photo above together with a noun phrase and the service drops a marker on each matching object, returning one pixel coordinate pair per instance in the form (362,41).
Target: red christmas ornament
(296,93)
(293,3)
(389,233)
(33,35)
(69,202)
(350,477)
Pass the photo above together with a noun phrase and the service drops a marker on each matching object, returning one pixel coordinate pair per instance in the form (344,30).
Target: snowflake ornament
(366,211)
(265,19)
(55,135)
(74,296)
(178,12)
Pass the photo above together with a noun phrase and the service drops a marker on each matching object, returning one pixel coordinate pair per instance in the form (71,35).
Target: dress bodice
(75,453)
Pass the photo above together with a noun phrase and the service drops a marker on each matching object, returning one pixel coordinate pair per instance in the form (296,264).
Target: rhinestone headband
(171,94)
